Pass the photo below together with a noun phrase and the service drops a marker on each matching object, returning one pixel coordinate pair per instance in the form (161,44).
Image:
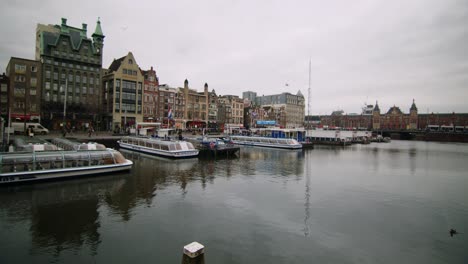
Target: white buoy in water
(193,253)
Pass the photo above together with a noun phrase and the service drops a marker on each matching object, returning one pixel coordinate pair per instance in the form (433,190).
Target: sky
(360,51)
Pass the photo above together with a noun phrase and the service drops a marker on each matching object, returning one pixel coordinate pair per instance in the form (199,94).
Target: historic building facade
(285,110)
(4,92)
(393,119)
(170,106)
(230,111)
(24,90)
(213,110)
(150,95)
(196,106)
(122,95)
(71,71)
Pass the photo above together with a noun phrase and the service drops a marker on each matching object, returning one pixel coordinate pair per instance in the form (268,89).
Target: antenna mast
(308,96)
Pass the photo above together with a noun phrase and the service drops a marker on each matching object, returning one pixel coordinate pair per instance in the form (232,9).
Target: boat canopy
(155,143)
(67,144)
(48,160)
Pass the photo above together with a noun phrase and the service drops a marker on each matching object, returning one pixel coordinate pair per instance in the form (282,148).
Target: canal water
(377,203)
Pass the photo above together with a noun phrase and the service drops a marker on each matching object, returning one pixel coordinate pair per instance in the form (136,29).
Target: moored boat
(155,146)
(285,143)
(34,166)
(217,147)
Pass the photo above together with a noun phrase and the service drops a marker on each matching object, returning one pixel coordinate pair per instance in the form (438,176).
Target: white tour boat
(285,143)
(33,166)
(156,146)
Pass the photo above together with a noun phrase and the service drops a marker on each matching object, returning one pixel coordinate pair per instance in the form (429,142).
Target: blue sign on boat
(266,122)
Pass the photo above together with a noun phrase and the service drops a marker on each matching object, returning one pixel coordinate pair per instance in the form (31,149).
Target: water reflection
(62,215)
(337,205)
(280,162)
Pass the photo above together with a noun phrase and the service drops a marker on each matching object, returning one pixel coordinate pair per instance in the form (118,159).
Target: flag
(169,114)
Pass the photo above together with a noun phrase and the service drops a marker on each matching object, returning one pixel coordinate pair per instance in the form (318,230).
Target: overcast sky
(360,51)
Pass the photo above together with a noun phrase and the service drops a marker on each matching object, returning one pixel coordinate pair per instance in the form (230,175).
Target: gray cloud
(360,51)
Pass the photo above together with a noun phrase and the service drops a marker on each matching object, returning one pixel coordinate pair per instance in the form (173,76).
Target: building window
(33,69)
(20,78)
(19,68)
(91,90)
(84,79)
(70,77)
(55,75)
(4,87)
(47,74)
(47,85)
(77,90)
(33,81)
(19,92)
(91,80)
(55,86)
(130,61)
(84,90)
(32,92)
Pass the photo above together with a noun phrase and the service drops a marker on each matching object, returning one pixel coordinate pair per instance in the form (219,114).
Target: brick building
(24,89)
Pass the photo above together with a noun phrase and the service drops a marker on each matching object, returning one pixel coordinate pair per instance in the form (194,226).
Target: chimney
(64,21)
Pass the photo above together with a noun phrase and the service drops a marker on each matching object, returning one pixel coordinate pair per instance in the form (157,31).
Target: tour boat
(156,146)
(285,143)
(33,166)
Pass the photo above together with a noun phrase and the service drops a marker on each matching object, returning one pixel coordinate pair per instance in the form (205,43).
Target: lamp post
(65,103)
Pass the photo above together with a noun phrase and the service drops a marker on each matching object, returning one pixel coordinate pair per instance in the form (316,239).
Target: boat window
(190,145)
(172,147)
(119,158)
(164,147)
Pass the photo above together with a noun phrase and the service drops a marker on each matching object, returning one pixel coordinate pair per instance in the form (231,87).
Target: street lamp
(65,103)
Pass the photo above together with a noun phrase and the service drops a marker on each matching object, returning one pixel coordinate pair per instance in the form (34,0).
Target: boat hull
(242,141)
(50,174)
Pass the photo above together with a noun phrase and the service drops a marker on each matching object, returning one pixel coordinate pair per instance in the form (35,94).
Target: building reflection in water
(64,215)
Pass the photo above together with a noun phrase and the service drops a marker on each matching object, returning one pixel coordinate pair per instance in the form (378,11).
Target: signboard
(266,122)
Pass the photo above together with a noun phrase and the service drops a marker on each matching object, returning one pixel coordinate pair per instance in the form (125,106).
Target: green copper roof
(98,30)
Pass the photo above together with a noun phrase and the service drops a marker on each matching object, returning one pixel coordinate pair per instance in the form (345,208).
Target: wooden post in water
(194,253)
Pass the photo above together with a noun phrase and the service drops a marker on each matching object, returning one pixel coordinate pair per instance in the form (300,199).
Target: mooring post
(194,253)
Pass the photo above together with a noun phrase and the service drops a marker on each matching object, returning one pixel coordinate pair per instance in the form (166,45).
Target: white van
(36,128)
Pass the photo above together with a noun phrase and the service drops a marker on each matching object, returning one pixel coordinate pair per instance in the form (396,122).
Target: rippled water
(378,203)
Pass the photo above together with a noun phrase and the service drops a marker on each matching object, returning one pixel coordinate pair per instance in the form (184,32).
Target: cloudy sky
(360,51)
